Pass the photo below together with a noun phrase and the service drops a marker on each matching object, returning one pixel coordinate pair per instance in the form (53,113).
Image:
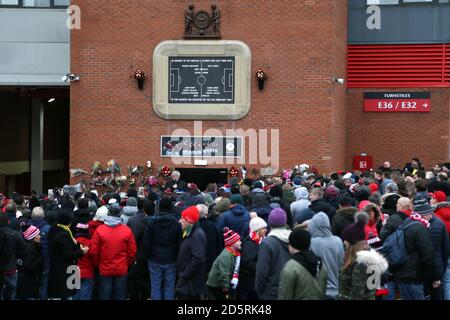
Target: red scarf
(407,212)
(234,252)
(255,237)
(418,217)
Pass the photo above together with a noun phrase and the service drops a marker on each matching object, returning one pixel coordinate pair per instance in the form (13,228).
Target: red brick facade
(300,44)
(399,137)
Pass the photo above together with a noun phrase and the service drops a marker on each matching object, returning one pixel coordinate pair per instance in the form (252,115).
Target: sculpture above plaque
(201,24)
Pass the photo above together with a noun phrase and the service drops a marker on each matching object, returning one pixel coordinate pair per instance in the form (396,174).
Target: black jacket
(422,261)
(191,264)
(333,202)
(391,225)
(213,239)
(63,254)
(80,216)
(322,206)
(29,279)
(137,224)
(162,238)
(247,271)
(439,238)
(343,218)
(181,185)
(14,245)
(5,251)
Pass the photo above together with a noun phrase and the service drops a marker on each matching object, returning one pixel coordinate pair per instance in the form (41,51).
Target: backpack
(394,247)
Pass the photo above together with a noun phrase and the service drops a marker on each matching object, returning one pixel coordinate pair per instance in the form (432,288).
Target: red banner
(397,102)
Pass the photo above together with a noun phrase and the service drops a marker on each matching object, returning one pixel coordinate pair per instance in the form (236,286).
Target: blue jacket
(162,238)
(44,227)
(235,219)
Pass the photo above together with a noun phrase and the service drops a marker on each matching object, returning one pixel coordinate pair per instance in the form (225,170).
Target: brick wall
(398,137)
(300,44)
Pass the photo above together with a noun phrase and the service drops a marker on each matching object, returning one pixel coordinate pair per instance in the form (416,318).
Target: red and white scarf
(418,217)
(254,236)
(237,263)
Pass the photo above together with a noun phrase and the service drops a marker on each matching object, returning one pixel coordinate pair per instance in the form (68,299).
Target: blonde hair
(351,251)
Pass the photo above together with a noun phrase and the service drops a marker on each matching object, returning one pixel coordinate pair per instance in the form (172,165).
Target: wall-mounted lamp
(339,80)
(262,77)
(140,76)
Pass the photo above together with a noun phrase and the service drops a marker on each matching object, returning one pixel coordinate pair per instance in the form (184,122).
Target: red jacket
(443,212)
(113,250)
(93,225)
(85,262)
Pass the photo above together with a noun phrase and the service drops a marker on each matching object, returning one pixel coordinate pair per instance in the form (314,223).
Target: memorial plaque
(208,80)
(197,146)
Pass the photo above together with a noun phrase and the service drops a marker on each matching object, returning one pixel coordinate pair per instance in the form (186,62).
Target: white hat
(101,213)
(257,224)
(347,176)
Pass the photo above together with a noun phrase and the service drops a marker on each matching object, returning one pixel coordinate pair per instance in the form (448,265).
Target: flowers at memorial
(287,174)
(97,168)
(77,172)
(113,167)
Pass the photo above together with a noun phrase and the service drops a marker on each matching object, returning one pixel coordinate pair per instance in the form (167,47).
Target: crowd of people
(349,236)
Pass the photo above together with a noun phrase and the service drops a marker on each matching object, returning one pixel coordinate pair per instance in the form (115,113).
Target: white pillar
(37,144)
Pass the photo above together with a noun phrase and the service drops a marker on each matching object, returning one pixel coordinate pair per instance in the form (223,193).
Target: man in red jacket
(113,250)
(442,211)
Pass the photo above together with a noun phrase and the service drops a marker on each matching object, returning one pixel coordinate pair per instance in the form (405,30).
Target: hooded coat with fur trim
(354,279)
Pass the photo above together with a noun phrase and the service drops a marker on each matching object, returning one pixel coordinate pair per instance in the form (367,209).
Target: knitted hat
(101,214)
(421,206)
(257,224)
(230,237)
(297,183)
(300,239)
(114,210)
(277,218)
(439,196)
(30,232)
(191,215)
(209,201)
(354,233)
(236,199)
(223,205)
(331,192)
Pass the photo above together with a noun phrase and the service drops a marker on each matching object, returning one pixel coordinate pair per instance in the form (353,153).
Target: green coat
(296,283)
(353,283)
(222,270)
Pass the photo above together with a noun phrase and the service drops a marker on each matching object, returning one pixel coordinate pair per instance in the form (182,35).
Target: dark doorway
(202,177)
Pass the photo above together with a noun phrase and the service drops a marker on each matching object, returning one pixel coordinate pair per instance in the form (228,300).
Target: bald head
(403,204)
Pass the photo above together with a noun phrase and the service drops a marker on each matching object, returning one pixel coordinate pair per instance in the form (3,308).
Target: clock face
(230,147)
